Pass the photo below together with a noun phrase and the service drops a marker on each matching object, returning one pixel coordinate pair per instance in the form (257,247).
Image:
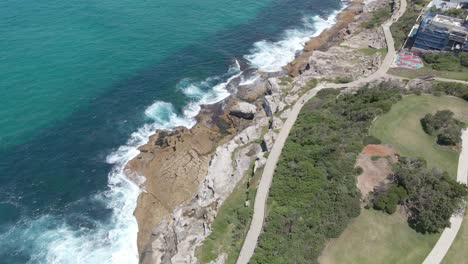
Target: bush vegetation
(388,200)
(379,16)
(442,124)
(430,196)
(453,12)
(232,221)
(371,140)
(313,194)
(401,28)
(454,89)
(445,61)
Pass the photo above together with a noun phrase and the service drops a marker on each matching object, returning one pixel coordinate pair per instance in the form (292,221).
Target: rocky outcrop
(268,140)
(243,110)
(175,239)
(272,86)
(174,163)
(327,38)
(253,91)
(342,62)
(272,104)
(189,177)
(190,172)
(276,123)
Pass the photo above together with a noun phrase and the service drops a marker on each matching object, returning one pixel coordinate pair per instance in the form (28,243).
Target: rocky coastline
(191,172)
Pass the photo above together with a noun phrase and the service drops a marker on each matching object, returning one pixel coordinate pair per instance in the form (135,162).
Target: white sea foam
(115,241)
(270,56)
(248,81)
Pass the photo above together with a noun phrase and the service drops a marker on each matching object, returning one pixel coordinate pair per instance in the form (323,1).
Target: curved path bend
(448,236)
(262,191)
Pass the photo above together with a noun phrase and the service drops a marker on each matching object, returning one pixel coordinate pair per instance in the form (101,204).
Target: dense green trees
(453,89)
(430,196)
(442,124)
(389,199)
(445,61)
(313,194)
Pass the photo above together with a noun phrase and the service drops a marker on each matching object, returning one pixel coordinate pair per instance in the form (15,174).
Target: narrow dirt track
(251,239)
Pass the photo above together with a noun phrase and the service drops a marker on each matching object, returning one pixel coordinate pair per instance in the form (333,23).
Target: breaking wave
(270,56)
(114,241)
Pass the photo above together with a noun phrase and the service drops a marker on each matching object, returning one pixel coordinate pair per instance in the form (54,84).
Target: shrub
(453,89)
(445,61)
(378,17)
(313,195)
(401,28)
(447,128)
(368,140)
(343,79)
(388,201)
(430,196)
(464,59)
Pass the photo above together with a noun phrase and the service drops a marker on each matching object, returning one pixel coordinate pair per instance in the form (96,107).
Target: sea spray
(114,241)
(269,56)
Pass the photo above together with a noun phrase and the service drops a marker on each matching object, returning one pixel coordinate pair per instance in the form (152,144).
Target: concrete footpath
(250,242)
(448,236)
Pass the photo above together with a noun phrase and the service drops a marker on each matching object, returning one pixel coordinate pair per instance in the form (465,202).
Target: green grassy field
(428,72)
(376,237)
(402,129)
(372,51)
(458,253)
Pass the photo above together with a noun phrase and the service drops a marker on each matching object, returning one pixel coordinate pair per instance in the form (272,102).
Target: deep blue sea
(84,82)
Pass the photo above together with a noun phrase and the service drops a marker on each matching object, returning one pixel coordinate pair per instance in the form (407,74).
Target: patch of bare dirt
(376,163)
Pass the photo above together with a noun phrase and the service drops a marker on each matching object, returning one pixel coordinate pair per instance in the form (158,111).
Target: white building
(448,4)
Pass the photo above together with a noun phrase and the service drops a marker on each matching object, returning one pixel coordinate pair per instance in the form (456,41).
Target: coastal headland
(190,172)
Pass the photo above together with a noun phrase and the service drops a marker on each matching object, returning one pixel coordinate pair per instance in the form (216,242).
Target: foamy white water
(115,241)
(272,56)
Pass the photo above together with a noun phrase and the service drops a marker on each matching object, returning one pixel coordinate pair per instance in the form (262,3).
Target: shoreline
(326,38)
(214,127)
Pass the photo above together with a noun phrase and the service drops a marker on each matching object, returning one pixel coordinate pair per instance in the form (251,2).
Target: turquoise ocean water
(84,82)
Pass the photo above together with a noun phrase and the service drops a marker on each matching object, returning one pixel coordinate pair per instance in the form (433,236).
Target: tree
(464,59)
(447,128)
(430,196)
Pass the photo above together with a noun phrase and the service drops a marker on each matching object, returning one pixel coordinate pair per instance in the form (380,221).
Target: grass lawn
(401,128)
(376,237)
(372,51)
(428,72)
(232,222)
(458,253)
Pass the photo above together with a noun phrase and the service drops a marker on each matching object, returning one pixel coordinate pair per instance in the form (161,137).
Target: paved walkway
(448,236)
(251,239)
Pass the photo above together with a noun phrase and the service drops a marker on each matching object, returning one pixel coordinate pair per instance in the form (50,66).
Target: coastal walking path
(251,239)
(448,236)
